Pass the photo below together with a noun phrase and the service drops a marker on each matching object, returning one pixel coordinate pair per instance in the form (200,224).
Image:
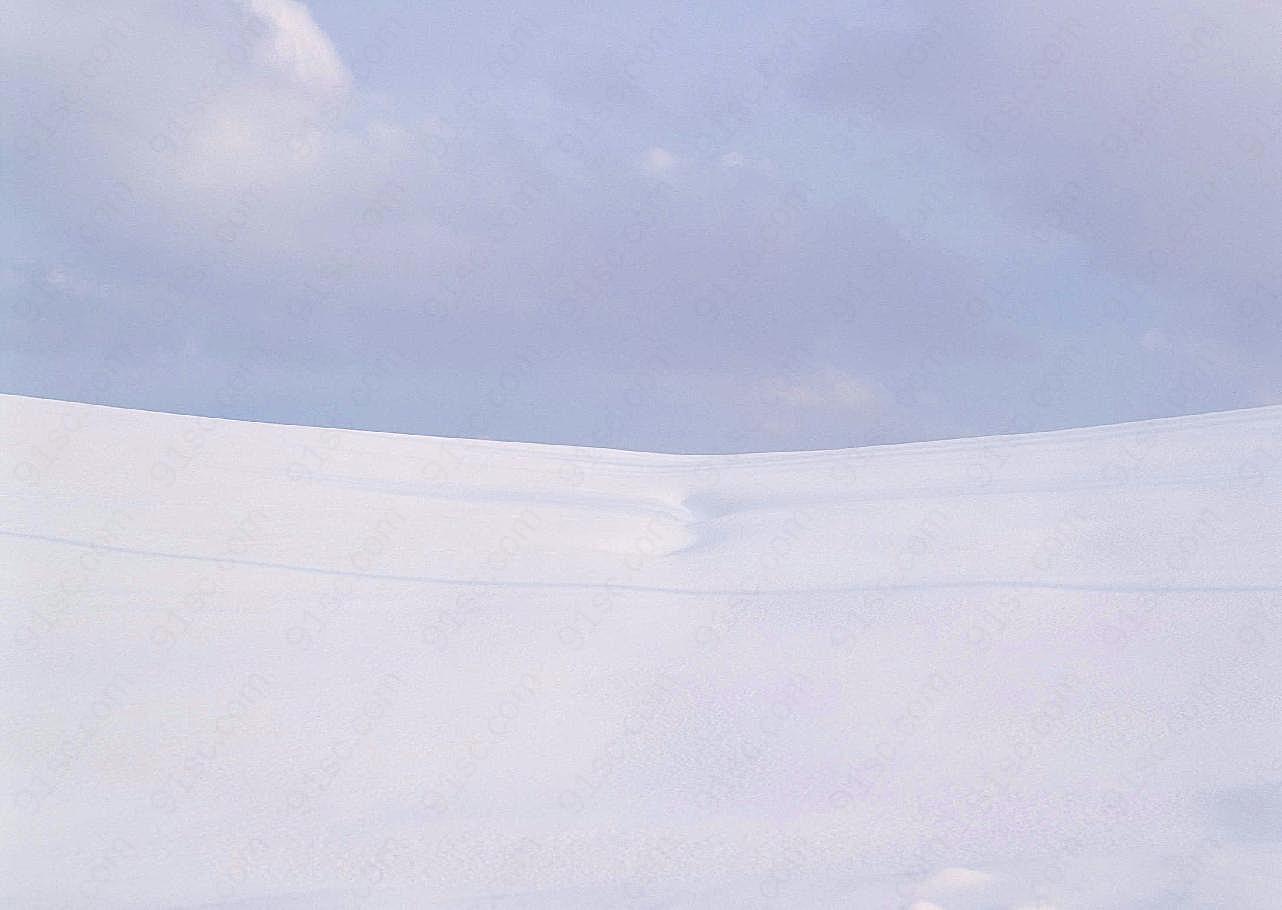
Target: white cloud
(296,46)
(956,878)
(657,160)
(827,388)
(951,880)
(238,121)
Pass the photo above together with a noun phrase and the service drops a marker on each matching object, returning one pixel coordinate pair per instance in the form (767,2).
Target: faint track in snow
(653,589)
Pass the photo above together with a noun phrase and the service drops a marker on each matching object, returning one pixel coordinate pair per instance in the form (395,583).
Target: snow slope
(249,665)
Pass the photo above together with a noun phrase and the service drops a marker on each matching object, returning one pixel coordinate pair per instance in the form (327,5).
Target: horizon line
(1170,418)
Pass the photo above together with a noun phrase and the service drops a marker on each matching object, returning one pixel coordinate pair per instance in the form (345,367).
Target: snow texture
(249,665)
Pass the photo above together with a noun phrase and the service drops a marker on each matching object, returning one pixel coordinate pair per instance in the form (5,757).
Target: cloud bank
(666,229)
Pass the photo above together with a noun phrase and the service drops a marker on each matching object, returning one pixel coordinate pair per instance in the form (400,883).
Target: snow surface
(249,665)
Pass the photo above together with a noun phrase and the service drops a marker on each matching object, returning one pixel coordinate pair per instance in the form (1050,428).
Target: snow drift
(249,665)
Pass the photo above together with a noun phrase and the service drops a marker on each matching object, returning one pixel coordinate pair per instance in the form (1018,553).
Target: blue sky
(735,227)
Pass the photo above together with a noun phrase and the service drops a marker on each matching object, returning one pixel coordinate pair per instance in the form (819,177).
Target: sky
(673,227)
